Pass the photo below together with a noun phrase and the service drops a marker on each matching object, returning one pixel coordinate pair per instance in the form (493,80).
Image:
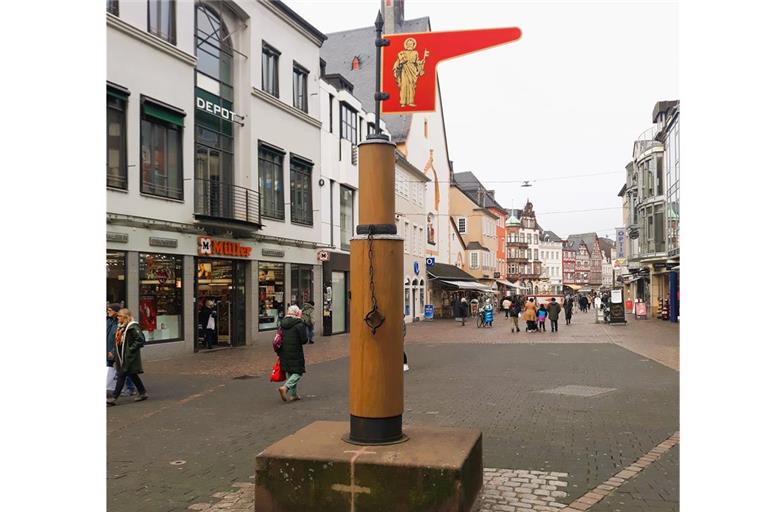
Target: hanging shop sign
(416,267)
(213,247)
(273,253)
(411,59)
(323,256)
(216,110)
(620,235)
(430,262)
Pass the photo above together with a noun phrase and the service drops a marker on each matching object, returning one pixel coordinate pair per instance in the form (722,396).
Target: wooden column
(376,360)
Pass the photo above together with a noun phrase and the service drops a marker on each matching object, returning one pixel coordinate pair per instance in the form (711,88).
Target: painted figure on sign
(408,68)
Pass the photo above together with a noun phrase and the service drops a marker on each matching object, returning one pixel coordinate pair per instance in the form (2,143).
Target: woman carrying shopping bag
(291,353)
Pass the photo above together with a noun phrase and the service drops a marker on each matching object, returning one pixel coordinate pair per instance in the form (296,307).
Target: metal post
(379,95)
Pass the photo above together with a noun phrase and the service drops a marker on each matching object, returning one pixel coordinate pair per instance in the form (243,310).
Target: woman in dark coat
(568,310)
(291,353)
(128,342)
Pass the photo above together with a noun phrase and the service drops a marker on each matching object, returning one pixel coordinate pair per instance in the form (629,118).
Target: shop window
(300,75)
(301,284)
(162,19)
(161,151)
(346,215)
(271,295)
(269,70)
(117,167)
(301,191)
(271,182)
(161,297)
(116,285)
(113,7)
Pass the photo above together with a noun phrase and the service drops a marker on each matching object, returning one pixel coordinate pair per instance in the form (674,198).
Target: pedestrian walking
(207,321)
(582,304)
(514,313)
(307,311)
(128,343)
(554,314)
(506,304)
(130,389)
(568,310)
(541,317)
(529,315)
(291,353)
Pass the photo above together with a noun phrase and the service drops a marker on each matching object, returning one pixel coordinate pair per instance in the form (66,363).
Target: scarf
(119,345)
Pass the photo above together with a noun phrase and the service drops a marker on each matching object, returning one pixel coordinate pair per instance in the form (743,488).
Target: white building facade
(411,217)
(213,167)
(551,253)
(345,123)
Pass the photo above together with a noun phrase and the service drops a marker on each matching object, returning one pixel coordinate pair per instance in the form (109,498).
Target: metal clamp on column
(376,229)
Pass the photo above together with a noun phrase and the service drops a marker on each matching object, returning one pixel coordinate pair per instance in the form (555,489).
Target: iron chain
(374,319)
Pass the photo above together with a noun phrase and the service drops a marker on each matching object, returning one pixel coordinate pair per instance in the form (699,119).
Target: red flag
(409,63)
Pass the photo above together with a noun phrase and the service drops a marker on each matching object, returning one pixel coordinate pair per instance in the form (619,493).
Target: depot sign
(212,247)
(216,110)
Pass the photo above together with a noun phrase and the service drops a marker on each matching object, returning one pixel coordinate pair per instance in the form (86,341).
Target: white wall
(418,147)
(134,63)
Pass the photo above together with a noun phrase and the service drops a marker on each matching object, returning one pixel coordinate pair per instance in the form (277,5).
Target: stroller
(485,316)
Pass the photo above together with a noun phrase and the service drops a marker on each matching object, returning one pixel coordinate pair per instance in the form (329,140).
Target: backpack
(277,342)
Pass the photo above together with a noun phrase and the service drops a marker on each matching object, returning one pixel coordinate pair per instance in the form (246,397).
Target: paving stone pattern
(200,414)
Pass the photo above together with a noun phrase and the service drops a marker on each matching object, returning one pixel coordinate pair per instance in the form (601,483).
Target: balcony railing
(218,200)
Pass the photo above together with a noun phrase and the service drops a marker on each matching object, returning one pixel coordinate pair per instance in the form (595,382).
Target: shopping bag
(278,375)
(111,378)
(277,341)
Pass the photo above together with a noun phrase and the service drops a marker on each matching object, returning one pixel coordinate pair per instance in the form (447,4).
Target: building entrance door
(220,303)
(339,302)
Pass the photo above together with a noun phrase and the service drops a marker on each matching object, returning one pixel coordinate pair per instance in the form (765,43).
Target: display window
(116,286)
(301,284)
(271,295)
(161,298)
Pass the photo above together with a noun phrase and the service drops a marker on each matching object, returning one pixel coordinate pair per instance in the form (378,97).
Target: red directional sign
(409,63)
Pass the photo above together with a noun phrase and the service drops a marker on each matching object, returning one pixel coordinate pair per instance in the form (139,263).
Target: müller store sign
(212,247)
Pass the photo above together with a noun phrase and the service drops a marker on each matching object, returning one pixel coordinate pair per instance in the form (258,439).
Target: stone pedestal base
(437,469)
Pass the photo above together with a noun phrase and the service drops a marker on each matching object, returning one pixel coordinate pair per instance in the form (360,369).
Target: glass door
(238,318)
(339,302)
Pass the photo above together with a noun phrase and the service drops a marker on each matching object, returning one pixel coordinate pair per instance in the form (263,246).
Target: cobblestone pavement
(200,431)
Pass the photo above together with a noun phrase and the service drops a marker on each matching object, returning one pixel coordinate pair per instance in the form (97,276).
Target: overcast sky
(567,99)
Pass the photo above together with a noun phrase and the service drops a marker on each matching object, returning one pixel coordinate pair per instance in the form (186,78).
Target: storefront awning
(468,285)
(507,283)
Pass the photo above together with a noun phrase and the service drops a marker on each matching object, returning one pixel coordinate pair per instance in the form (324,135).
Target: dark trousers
(567,319)
(210,336)
(553,325)
(542,326)
(121,382)
(506,313)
